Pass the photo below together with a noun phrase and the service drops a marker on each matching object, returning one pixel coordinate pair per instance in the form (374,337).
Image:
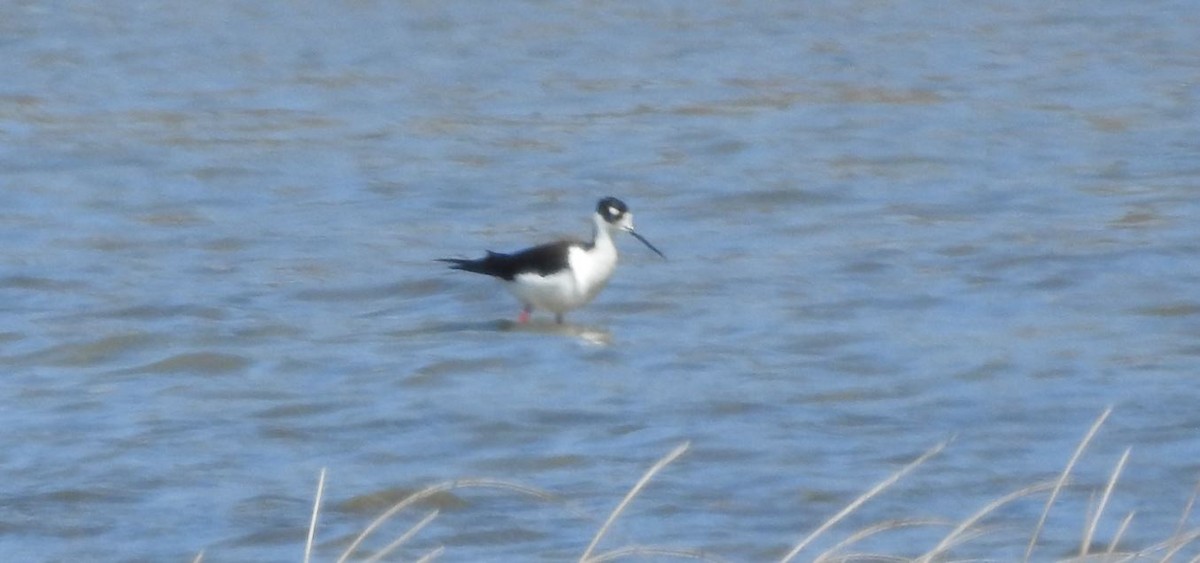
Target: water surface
(889,224)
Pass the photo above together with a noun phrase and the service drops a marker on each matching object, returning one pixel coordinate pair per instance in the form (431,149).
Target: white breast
(592,268)
(588,272)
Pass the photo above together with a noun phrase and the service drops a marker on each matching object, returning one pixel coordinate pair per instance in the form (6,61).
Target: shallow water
(888,225)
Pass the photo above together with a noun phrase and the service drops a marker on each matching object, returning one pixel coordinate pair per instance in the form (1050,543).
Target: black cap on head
(614,212)
(611,209)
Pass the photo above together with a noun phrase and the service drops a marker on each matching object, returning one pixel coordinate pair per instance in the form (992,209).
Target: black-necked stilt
(563,275)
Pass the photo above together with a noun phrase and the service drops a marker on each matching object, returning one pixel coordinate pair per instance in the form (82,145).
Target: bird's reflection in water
(591,335)
(588,334)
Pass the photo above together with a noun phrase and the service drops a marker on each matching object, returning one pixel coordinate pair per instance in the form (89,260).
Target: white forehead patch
(613,211)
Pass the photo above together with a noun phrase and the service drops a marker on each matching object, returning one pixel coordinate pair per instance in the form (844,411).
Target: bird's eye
(613,211)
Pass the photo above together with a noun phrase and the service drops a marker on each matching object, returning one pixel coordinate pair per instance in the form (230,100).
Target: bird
(563,275)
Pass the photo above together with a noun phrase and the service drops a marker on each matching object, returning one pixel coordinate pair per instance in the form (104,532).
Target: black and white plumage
(562,275)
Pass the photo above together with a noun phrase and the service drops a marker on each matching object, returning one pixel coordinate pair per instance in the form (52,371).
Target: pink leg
(524,316)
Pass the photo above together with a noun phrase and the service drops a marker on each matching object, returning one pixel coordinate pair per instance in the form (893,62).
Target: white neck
(593,267)
(601,234)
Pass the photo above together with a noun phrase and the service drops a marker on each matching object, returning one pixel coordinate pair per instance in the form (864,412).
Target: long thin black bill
(647,243)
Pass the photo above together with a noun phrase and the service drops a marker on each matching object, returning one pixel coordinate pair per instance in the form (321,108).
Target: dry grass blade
(1181,543)
(954,535)
(432,555)
(872,558)
(1183,519)
(432,490)
(872,530)
(1112,482)
(312,524)
(1170,548)
(1062,480)
(675,453)
(407,535)
(1112,547)
(199,557)
(862,499)
(650,551)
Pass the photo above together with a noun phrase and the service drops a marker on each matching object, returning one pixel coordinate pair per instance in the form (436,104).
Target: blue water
(889,225)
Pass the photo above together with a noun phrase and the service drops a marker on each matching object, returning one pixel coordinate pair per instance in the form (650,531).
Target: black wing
(543,260)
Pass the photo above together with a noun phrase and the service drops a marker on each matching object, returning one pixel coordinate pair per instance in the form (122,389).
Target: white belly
(568,289)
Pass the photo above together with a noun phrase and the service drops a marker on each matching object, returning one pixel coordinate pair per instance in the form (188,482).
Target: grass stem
(667,459)
(862,499)
(312,524)
(1062,480)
